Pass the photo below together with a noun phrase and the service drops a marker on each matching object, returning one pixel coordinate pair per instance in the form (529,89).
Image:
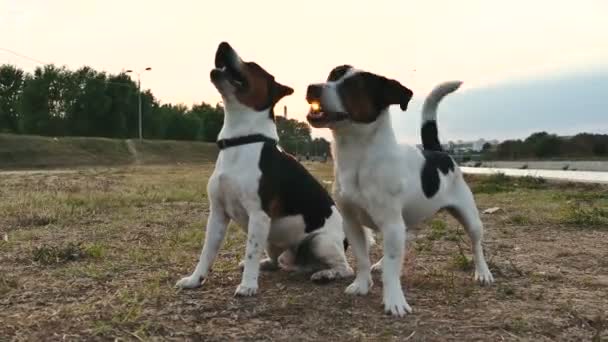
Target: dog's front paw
(269,265)
(190,282)
(484,276)
(360,286)
(395,303)
(246,290)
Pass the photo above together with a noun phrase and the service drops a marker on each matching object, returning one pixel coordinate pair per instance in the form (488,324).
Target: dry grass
(35,152)
(95,255)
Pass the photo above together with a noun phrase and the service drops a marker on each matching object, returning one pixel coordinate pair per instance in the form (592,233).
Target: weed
(438,230)
(504,292)
(531,182)
(518,325)
(462,262)
(499,182)
(49,255)
(95,251)
(586,216)
(423,245)
(492,184)
(7,284)
(519,219)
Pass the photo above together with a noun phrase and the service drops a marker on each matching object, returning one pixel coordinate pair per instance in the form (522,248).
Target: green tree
(294,135)
(211,121)
(11,85)
(122,94)
(180,123)
(43,103)
(89,112)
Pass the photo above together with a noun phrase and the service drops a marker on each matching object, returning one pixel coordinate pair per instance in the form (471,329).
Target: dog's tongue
(315,110)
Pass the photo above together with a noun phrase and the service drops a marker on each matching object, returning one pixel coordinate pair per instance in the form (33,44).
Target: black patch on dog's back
(430,137)
(435,161)
(287,188)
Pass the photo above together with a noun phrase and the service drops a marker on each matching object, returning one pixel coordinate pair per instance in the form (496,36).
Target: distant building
(469,146)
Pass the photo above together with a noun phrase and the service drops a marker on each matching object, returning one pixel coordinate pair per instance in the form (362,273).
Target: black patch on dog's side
(435,161)
(287,188)
(337,72)
(430,137)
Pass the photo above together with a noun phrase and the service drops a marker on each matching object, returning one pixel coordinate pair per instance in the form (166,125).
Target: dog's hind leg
(465,211)
(270,263)
(330,252)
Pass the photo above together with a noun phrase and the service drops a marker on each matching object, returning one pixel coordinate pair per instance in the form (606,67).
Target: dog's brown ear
(395,93)
(280,91)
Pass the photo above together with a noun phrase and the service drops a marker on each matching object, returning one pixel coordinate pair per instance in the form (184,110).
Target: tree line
(57,101)
(543,145)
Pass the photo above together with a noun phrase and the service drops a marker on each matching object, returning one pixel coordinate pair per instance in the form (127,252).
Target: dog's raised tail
(428,131)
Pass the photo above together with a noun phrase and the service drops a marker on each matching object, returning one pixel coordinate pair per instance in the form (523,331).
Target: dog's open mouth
(226,67)
(317,117)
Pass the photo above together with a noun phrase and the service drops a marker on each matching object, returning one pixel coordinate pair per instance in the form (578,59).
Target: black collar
(243,140)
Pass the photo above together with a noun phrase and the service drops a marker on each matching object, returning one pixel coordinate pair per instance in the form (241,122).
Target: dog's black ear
(280,91)
(337,72)
(395,93)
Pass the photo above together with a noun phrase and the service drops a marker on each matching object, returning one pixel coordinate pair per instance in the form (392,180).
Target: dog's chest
(236,180)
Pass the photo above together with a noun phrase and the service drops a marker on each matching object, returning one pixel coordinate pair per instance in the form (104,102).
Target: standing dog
(384,185)
(281,206)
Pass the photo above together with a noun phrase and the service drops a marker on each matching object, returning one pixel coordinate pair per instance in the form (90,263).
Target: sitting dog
(281,206)
(384,185)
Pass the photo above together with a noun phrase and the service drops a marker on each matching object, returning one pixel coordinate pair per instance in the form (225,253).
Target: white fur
(378,185)
(233,194)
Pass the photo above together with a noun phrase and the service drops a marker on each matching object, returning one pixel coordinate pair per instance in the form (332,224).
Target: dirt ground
(94,255)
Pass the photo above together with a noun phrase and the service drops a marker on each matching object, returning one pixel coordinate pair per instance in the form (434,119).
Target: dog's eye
(315,106)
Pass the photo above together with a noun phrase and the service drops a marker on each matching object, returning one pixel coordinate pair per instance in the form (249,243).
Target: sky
(487,44)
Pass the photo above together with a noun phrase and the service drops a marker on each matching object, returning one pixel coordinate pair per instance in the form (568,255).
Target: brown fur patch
(364,95)
(257,93)
(262,91)
(275,208)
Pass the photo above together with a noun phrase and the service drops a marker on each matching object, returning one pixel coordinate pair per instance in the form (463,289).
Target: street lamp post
(139,96)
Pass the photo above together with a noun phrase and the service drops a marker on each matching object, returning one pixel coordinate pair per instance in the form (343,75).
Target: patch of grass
(531,182)
(505,291)
(492,184)
(423,245)
(129,306)
(7,284)
(438,230)
(585,216)
(499,182)
(95,251)
(519,219)
(517,325)
(582,196)
(39,218)
(49,255)
(462,262)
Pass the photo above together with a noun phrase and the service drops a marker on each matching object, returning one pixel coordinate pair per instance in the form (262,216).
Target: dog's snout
(314,92)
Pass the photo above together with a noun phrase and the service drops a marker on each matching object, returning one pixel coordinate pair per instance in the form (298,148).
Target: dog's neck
(240,121)
(351,140)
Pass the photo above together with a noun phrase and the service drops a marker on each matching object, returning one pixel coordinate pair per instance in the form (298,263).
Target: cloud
(561,103)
